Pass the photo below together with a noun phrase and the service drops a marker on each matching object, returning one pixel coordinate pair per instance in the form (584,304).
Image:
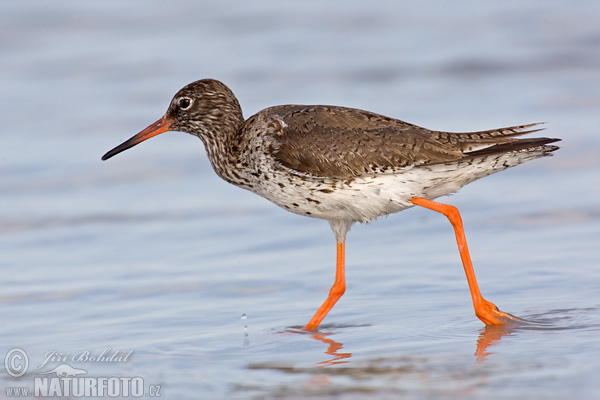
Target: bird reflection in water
(489,336)
(332,350)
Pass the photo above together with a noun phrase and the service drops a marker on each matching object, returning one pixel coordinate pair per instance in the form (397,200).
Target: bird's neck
(221,138)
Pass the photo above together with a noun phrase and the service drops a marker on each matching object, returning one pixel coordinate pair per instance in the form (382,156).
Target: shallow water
(207,284)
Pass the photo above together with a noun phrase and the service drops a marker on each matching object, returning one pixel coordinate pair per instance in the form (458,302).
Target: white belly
(366,198)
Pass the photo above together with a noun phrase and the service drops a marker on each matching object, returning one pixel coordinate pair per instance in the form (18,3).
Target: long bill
(160,126)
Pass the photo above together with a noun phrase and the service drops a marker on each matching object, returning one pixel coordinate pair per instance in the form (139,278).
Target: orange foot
(491,315)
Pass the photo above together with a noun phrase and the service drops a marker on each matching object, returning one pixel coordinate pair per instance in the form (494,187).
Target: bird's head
(205,108)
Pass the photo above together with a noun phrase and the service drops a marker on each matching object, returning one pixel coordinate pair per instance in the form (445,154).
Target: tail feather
(508,132)
(533,144)
(473,141)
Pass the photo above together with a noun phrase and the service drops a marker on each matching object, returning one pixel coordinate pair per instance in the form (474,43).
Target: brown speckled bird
(343,165)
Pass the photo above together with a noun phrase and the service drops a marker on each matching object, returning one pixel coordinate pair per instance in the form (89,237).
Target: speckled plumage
(340,164)
(344,165)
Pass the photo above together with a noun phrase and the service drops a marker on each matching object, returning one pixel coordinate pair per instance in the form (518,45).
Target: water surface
(152,253)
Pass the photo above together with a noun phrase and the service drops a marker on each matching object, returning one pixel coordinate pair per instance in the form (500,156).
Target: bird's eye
(185,103)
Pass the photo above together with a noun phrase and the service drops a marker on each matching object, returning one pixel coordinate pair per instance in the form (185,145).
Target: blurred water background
(205,283)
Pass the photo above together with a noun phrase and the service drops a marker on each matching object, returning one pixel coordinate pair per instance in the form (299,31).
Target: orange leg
(485,310)
(337,290)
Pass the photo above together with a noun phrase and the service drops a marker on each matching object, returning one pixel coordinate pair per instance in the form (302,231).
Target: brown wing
(342,142)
